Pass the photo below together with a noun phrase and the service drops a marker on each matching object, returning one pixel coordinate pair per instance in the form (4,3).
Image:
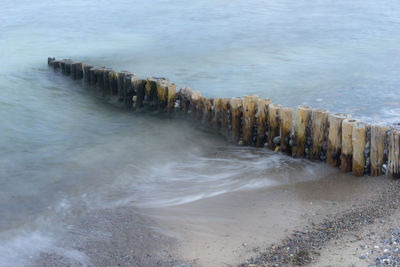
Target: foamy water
(64,151)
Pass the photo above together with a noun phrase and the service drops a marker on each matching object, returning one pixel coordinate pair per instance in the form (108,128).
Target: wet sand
(225,230)
(229,229)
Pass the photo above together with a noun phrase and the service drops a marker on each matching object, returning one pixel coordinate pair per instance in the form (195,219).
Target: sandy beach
(240,228)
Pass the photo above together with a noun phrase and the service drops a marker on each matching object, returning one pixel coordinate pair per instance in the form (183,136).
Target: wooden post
(286,122)
(194,105)
(68,67)
(140,88)
(335,139)
(319,130)
(86,72)
(207,110)
(120,84)
(358,143)
(377,156)
(113,82)
(217,115)
(225,106)
(62,65)
(100,79)
(186,98)
(50,59)
(261,118)
(93,76)
(171,97)
(106,81)
(302,123)
(162,94)
(76,71)
(346,156)
(55,64)
(394,153)
(129,82)
(273,124)
(249,118)
(236,112)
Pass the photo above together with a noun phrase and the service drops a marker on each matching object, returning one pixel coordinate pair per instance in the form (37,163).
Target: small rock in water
(384,169)
(291,142)
(277,140)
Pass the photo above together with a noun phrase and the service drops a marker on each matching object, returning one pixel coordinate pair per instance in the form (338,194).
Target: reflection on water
(64,152)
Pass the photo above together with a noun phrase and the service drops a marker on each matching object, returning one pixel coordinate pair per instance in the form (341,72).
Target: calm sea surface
(64,151)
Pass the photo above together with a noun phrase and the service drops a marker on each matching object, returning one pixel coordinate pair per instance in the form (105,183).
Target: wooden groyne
(341,141)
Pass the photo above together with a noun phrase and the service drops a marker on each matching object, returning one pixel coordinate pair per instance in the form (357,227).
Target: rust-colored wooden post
(394,153)
(261,118)
(273,124)
(217,115)
(319,130)
(171,97)
(236,106)
(195,104)
(302,124)
(346,157)
(378,141)
(225,106)
(162,94)
(249,118)
(140,88)
(358,143)
(335,139)
(286,122)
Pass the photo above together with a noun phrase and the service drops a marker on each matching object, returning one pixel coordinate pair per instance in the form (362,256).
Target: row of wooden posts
(338,139)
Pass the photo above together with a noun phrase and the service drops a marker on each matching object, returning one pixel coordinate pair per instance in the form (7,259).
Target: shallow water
(64,151)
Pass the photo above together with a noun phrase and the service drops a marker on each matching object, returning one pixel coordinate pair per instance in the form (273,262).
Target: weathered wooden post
(86,72)
(194,105)
(50,59)
(140,88)
(120,83)
(249,118)
(93,76)
(225,106)
(217,115)
(162,94)
(286,122)
(207,110)
(346,157)
(106,81)
(378,141)
(113,82)
(273,124)
(358,143)
(319,130)
(236,106)
(261,118)
(129,85)
(394,153)
(76,71)
(100,78)
(302,126)
(186,99)
(200,108)
(171,97)
(335,139)
(67,67)
(55,64)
